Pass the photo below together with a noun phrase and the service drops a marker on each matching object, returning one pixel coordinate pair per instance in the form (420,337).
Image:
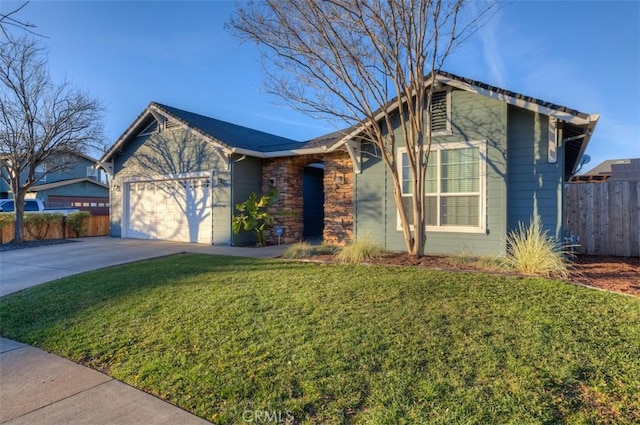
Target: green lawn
(344,344)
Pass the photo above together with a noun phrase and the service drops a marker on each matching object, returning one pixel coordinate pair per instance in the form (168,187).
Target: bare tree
(347,60)
(41,123)
(8,20)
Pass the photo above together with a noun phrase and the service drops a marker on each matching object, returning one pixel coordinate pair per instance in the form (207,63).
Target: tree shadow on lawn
(46,305)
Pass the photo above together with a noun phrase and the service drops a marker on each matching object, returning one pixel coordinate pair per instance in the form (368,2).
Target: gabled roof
(614,169)
(62,183)
(228,137)
(231,135)
(606,167)
(563,113)
(87,157)
(232,138)
(579,126)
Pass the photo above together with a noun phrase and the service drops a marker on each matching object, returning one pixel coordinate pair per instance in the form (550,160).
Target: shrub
(78,223)
(306,250)
(362,250)
(6,218)
(38,224)
(531,250)
(253,215)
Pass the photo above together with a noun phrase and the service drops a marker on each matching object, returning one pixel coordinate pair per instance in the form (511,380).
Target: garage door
(175,210)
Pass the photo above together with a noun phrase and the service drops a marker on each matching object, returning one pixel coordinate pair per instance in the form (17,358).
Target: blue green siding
(81,189)
(369,197)
(246,173)
(535,185)
(474,118)
(76,170)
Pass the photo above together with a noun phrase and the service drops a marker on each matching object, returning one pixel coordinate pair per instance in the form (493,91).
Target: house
(79,185)
(614,169)
(177,175)
(498,158)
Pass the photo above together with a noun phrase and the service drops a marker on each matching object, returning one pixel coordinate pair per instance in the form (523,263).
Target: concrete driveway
(23,268)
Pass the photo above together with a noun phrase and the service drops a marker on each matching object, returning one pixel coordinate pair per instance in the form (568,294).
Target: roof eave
(288,152)
(125,136)
(577,119)
(62,183)
(591,126)
(151,110)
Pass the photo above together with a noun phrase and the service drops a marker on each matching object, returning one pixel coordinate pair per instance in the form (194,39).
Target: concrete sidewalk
(40,388)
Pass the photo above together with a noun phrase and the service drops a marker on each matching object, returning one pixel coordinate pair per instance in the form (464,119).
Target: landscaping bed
(618,274)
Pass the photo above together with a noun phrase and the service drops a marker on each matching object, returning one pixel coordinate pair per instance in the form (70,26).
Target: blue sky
(581,54)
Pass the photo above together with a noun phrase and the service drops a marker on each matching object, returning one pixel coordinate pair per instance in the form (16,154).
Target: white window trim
(482,210)
(448,131)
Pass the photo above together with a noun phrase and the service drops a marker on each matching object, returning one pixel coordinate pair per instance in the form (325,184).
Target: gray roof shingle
(232,135)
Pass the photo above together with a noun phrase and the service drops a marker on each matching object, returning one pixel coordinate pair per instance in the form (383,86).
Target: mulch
(617,274)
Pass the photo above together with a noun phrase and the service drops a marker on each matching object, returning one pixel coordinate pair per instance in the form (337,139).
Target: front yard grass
(220,336)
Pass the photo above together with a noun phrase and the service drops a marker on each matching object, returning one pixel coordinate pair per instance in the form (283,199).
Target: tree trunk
(18,200)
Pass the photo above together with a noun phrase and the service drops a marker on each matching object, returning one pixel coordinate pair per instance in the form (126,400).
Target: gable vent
(439,111)
(170,124)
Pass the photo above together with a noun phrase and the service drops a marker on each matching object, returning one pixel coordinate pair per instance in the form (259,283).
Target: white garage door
(175,210)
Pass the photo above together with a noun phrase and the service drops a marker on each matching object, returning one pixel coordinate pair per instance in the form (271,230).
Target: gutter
(290,152)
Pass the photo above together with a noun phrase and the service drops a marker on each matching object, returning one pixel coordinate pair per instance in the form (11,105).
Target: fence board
(98,226)
(605,216)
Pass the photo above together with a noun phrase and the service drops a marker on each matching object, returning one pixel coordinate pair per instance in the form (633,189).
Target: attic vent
(150,129)
(170,124)
(439,112)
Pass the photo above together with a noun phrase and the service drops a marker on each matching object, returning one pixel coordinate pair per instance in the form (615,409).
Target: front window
(454,187)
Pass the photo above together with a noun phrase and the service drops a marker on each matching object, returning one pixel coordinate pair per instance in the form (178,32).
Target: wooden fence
(605,216)
(98,226)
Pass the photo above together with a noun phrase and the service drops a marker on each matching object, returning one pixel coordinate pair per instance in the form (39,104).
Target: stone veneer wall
(287,174)
(338,198)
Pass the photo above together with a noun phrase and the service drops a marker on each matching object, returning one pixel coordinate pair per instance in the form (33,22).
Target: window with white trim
(455,187)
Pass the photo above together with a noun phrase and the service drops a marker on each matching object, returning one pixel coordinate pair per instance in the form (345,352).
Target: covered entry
(169,209)
(313,200)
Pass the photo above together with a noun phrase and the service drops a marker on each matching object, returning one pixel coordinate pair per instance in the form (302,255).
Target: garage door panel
(178,210)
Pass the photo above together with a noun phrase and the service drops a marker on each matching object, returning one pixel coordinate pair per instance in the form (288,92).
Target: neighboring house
(611,169)
(79,185)
(498,158)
